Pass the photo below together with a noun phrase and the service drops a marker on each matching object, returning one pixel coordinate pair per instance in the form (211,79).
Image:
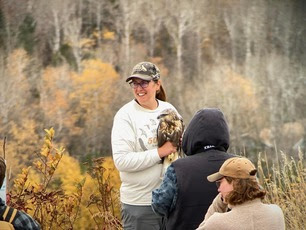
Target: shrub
(46,192)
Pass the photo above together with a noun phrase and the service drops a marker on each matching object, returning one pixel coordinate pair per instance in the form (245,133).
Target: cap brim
(214,177)
(140,76)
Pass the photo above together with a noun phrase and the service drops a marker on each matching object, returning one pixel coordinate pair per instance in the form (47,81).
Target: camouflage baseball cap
(145,71)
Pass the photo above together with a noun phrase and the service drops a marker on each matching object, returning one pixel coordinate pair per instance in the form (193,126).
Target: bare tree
(126,20)
(178,19)
(152,19)
(14,87)
(51,18)
(200,24)
(14,12)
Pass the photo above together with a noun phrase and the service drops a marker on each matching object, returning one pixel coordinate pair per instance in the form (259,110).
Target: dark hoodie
(205,143)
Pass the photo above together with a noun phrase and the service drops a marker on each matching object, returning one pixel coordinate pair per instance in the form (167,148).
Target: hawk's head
(170,127)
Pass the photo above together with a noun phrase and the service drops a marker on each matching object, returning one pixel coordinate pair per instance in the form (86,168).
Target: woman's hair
(244,190)
(161,94)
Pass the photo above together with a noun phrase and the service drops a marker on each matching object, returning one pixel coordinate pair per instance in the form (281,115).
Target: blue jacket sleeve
(164,198)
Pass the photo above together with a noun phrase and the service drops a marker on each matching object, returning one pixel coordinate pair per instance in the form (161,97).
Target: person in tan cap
(239,202)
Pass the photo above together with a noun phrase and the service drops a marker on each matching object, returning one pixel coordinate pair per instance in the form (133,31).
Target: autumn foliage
(58,196)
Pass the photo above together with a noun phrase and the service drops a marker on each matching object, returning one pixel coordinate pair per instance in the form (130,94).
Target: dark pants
(136,217)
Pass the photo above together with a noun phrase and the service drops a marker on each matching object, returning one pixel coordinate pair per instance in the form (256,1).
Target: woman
(134,145)
(240,191)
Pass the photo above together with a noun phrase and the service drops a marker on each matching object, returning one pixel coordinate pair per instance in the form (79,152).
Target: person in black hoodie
(184,195)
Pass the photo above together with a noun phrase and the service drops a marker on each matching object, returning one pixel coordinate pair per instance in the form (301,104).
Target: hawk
(170,128)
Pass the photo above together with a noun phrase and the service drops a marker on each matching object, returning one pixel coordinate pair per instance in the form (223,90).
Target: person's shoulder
(129,104)
(165,104)
(274,208)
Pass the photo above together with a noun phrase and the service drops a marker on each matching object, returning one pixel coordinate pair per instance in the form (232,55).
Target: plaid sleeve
(24,221)
(164,198)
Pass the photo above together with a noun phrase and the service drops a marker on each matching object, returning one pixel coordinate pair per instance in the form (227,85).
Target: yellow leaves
(48,144)
(87,43)
(38,165)
(47,206)
(21,179)
(105,34)
(58,155)
(108,35)
(103,199)
(50,133)
(56,191)
(111,172)
(44,152)
(83,43)
(93,87)
(68,97)
(37,187)
(69,173)
(95,73)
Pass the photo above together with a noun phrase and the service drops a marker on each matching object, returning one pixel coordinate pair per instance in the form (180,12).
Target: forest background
(63,64)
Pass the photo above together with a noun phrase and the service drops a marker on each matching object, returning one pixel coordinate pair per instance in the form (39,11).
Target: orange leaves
(55,90)
(17,62)
(96,77)
(68,97)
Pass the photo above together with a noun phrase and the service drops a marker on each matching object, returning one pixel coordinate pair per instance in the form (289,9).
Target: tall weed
(284,181)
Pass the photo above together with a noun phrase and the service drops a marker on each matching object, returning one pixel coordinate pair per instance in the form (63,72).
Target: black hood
(207,128)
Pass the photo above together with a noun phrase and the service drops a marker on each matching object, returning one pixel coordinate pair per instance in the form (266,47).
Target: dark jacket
(205,143)
(22,220)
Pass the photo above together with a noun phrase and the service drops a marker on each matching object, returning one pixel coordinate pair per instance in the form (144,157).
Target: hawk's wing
(170,128)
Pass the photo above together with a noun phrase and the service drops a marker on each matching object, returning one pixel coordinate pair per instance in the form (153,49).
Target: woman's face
(145,93)
(225,187)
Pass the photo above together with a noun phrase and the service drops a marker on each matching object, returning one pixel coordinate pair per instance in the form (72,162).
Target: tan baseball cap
(236,167)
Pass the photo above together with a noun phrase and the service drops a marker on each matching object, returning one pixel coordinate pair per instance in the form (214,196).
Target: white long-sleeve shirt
(134,145)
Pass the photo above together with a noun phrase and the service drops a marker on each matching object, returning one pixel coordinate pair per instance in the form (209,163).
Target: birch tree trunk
(177,23)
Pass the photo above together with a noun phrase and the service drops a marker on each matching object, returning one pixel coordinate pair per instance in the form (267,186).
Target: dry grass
(284,181)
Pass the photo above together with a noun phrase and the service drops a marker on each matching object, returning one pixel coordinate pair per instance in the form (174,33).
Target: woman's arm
(217,206)
(124,139)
